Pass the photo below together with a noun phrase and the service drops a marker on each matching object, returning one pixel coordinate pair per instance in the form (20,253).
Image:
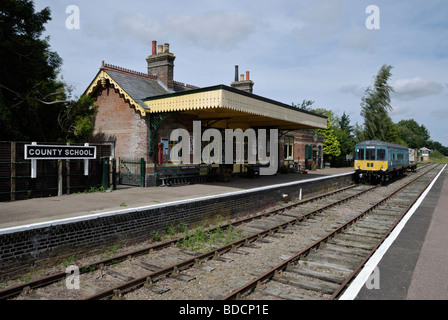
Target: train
(378,161)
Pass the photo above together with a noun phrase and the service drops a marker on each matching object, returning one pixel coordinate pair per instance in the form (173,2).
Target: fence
(15,173)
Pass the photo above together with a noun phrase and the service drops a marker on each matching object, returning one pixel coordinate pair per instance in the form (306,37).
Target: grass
(443,160)
(110,252)
(201,239)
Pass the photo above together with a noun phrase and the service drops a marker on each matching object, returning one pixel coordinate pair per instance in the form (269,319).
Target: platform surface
(415,265)
(25,212)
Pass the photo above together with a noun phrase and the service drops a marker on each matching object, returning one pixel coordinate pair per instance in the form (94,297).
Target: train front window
(359,154)
(370,154)
(380,154)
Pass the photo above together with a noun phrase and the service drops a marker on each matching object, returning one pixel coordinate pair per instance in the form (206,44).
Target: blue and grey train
(378,161)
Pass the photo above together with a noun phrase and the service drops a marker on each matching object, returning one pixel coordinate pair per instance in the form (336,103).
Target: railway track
(325,268)
(159,270)
(103,264)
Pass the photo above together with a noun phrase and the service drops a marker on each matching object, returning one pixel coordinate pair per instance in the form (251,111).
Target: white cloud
(215,29)
(414,88)
(319,22)
(354,89)
(360,39)
(440,113)
(398,110)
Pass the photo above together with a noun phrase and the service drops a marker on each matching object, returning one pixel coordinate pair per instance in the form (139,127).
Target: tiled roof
(138,87)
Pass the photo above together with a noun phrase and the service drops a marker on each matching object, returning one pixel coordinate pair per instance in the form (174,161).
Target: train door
(370,157)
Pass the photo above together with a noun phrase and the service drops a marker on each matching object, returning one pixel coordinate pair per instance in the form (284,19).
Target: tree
(32,100)
(375,106)
(344,124)
(30,94)
(331,148)
(75,119)
(305,105)
(344,134)
(416,136)
(331,144)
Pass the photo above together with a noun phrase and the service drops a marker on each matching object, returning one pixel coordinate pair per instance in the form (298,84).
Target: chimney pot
(236,73)
(247,75)
(242,77)
(154,47)
(162,65)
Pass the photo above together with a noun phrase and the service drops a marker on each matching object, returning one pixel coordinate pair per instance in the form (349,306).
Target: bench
(173,175)
(253,170)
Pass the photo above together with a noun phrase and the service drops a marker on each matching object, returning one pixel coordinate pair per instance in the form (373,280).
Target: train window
(381,154)
(370,154)
(359,154)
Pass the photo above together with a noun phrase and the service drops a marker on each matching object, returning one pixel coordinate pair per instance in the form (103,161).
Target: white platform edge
(352,291)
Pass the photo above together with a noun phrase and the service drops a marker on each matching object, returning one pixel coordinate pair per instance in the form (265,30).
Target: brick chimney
(161,64)
(241,84)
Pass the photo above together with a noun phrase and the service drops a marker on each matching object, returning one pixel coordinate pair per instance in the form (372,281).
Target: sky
(327,51)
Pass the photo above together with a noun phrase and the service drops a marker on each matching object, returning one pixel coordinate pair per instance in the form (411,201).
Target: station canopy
(225,107)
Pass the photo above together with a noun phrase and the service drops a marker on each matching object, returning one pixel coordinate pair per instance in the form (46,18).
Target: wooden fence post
(13,171)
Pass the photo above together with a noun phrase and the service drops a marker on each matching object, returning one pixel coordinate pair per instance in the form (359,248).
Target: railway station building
(138,112)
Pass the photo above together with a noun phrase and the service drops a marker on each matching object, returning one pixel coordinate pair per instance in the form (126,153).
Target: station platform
(412,263)
(32,211)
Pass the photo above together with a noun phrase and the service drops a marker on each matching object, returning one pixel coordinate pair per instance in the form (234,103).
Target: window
(370,154)
(359,154)
(380,154)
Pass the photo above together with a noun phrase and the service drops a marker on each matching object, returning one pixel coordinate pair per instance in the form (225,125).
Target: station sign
(59,152)
(36,152)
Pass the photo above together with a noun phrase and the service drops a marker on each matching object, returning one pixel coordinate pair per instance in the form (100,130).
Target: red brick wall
(118,121)
(301,139)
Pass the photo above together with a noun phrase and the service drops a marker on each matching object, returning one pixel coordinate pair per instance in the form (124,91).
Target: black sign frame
(59,152)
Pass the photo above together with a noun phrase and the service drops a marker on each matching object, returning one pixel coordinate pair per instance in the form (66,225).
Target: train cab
(377,161)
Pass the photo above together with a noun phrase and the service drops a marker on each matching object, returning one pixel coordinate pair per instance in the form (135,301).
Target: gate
(132,171)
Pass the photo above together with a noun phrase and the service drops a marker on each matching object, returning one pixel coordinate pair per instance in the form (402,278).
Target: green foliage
(28,84)
(344,134)
(414,135)
(375,106)
(32,98)
(76,119)
(331,143)
(306,105)
(437,154)
(344,124)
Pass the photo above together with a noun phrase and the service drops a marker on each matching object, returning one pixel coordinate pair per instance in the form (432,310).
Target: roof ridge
(190,86)
(127,71)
